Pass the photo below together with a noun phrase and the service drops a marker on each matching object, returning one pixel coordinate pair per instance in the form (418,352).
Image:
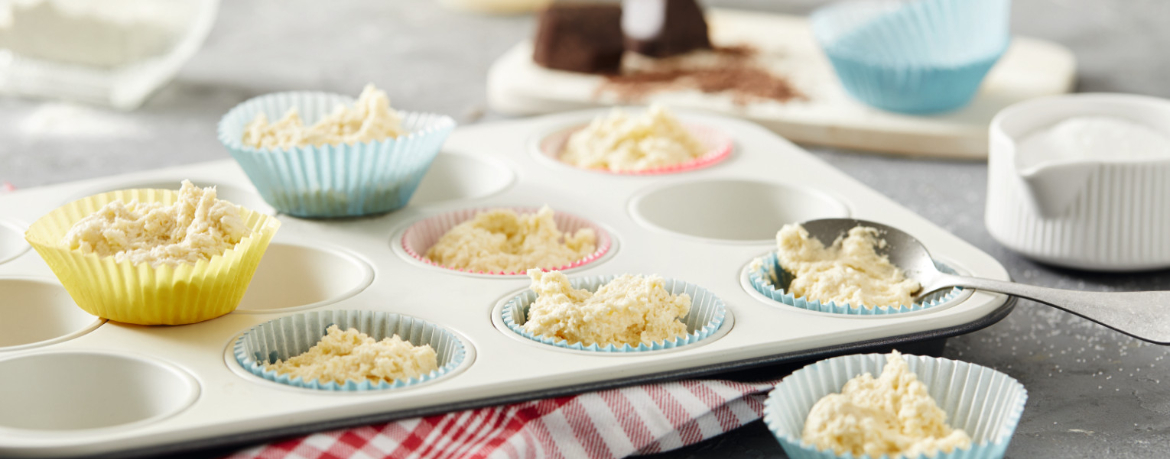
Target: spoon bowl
(1142,315)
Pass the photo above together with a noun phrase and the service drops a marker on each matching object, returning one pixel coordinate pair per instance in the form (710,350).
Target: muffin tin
(79,386)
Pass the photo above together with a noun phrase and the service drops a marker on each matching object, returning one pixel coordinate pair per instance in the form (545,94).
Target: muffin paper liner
(705,317)
(141,294)
(983,402)
(769,274)
(424,234)
(331,181)
(293,335)
(918,56)
(719,146)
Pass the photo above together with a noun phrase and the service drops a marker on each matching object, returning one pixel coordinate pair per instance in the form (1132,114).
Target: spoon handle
(1142,315)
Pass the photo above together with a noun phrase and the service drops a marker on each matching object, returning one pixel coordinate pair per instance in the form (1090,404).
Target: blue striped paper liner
(985,403)
(293,335)
(916,56)
(769,274)
(705,317)
(331,181)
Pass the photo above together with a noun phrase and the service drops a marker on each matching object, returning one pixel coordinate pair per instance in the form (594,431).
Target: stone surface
(1093,392)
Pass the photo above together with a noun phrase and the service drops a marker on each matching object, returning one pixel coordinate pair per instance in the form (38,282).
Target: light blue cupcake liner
(705,317)
(331,181)
(769,275)
(983,402)
(913,56)
(293,335)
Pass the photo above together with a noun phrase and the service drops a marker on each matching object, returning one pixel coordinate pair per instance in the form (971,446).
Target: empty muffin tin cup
(294,335)
(718,146)
(983,402)
(705,317)
(714,209)
(913,56)
(142,294)
(418,238)
(65,392)
(766,274)
(38,312)
(331,181)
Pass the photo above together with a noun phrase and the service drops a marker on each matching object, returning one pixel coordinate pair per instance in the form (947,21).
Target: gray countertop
(1093,392)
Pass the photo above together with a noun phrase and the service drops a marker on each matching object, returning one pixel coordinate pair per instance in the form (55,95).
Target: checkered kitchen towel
(607,424)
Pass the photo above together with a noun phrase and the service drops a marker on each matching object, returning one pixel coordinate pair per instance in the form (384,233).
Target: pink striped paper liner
(719,146)
(422,235)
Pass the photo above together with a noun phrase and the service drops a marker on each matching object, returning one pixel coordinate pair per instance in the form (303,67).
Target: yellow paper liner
(142,294)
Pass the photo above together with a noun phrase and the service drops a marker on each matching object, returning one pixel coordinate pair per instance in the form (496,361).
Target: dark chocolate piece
(662,28)
(580,37)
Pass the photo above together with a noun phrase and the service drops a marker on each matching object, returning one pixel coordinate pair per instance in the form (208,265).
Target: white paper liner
(719,146)
(769,276)
(705,317)
(422,235)
(293,335)
(983,402)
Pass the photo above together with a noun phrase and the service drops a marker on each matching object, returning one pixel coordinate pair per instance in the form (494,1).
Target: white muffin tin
(73,385)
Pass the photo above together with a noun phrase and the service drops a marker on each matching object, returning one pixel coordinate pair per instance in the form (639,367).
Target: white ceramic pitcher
(1095,214)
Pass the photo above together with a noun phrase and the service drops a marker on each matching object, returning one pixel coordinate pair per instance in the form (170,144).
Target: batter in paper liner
(850,271)
(501,240)
(197,226)
(370,119)
(620,142)
(627,310)
(892,414)
(353,355)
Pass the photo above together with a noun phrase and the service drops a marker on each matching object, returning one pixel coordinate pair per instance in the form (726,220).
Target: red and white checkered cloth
(607,424)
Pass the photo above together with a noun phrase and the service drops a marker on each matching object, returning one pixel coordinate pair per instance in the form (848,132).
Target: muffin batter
(620,142)
(353,355)
(195,227)
(627,310)
(370,119)
(850,271)
(892,415)
(501,240)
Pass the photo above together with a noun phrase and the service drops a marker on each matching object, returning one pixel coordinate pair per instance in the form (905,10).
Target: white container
(1100,214)
(105,52)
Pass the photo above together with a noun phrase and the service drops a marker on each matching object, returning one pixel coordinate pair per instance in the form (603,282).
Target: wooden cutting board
(829,116)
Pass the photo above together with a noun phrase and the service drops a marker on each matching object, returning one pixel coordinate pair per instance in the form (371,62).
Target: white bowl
(1100,215)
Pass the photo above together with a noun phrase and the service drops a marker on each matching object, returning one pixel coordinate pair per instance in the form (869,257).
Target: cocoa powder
(734,72)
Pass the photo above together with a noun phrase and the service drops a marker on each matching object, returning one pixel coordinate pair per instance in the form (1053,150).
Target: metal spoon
(1142,315)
